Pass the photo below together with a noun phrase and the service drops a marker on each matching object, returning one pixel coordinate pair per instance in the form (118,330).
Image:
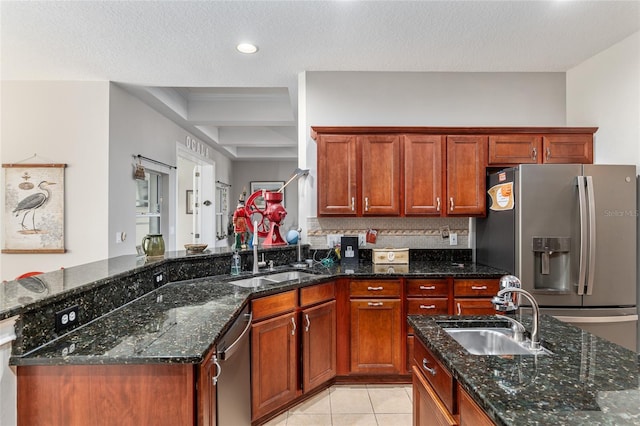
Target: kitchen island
(585,381)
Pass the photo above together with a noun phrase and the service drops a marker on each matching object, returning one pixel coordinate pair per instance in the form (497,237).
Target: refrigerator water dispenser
(552,263)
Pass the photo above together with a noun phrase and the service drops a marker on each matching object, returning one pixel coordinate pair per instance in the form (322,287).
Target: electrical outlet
(67,318)
(453,239)
(159,279)
(362,240)
(333,240)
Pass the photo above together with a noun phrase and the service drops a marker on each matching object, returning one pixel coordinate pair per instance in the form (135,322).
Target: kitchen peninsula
(155,326)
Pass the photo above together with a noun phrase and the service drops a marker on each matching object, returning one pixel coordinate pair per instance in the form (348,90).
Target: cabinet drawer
(475,288)
(272,305)
(515,149)
(427,306)
(427,288)
(316,294)
(436,374)
(375,288)
(474,306)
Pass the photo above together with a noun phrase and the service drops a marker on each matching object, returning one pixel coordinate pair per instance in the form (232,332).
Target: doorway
(196,207)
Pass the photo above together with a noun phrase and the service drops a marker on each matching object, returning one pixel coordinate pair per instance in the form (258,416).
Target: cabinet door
(380,175)
(337,175)
(376,336)
(466,164)
(274,372)
(423,174)
(470,412)
(318,345)
(428,410)
(564,149)
(207,377)
(510,150)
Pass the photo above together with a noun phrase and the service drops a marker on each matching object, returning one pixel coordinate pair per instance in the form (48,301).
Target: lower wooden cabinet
(150,394)
(274,364)
(473,296)
(207,377)
(376,336)
(318,345)
(428,410)
(470,412)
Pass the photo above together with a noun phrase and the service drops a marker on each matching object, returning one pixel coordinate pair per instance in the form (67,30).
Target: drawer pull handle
(437,204)
(293,330)
(427,306)
(548,153)
(459,309)
(375,288)
(353,204)
(306,316)
(430,370)
(214,379)
(451,203)
(478,287)
(375,303)
(534,152)
(366,204)
(427,287)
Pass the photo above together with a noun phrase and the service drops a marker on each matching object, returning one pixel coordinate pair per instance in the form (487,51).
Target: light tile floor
(352,405)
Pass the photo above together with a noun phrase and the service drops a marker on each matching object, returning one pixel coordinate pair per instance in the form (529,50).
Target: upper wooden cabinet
(511,150)
(466,175)
(430,171)
(380,171)
(337,175)
(423,174)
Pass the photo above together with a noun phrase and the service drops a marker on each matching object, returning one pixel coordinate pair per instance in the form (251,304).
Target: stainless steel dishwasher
(234,376)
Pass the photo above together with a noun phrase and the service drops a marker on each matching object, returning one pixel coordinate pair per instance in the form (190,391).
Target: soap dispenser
(235,263)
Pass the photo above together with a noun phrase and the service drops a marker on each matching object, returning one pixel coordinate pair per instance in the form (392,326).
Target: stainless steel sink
(266,280)
(291,275)
(492,341)
(253,282)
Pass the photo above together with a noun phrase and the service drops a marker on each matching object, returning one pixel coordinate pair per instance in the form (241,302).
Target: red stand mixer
(267,205)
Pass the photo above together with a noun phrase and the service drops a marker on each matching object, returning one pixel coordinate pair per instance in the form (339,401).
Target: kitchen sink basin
(291,275)
(492,341)
(266,280)
(253,282)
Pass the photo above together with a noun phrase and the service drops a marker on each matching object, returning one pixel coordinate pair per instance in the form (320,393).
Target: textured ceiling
(180,56)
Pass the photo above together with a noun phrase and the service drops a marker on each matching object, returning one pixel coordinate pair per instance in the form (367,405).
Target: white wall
(421,99)
(62,122)
(136,128)
(184,221)
(605,91)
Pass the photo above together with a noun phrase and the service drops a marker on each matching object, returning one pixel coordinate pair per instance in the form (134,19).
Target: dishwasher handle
(231,349)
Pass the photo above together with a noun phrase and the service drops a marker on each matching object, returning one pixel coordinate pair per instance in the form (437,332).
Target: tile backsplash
(397,232)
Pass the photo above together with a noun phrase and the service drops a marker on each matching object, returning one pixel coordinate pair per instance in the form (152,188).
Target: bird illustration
(33,202)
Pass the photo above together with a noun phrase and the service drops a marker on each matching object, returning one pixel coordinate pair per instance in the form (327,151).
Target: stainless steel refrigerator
(568,231)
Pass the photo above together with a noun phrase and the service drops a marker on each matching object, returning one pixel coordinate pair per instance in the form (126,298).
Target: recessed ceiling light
(247,48)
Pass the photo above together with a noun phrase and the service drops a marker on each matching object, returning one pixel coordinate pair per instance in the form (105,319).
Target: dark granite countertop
(587,380)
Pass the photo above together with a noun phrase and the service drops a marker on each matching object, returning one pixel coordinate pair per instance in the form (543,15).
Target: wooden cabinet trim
(355,130)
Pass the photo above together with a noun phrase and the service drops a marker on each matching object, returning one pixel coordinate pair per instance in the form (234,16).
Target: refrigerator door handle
(592,235)
(582,203)
(596,320)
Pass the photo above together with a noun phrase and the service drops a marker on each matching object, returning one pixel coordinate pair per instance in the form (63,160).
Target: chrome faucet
(256,241)
(508,299)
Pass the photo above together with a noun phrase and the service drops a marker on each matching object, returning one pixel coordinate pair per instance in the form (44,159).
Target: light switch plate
(453,239)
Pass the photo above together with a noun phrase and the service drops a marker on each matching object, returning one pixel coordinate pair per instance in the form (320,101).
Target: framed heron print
(33,208)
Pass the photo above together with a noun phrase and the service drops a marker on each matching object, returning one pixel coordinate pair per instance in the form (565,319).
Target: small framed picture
(189,201)
(269,186)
